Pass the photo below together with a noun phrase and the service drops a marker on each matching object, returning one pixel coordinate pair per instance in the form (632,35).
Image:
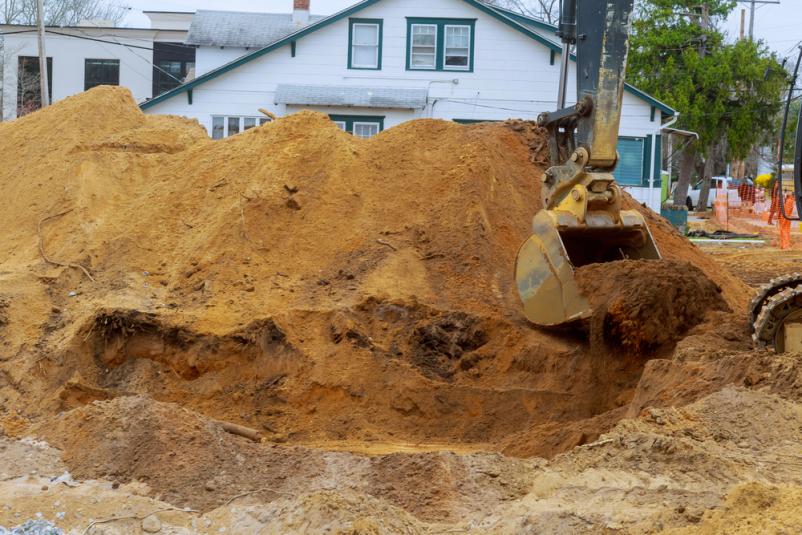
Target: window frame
(440,43)
(445,47)
(476,121)
(164,52)
(377,124)
(106,62)
(22,65)
(350,120)
(372,22)
(258,121)
(411,46)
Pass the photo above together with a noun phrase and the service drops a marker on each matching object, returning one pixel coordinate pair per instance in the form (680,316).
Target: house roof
(365,97)
(514,20)
(240,29)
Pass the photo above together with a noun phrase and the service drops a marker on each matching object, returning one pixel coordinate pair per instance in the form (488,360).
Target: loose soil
(645,304)
(351,301)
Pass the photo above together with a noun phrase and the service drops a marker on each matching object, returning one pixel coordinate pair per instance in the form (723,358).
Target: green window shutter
(647,160)
(350,120)
(629,171)
(658,160)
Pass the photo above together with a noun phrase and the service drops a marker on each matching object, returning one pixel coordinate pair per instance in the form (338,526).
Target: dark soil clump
(642,305)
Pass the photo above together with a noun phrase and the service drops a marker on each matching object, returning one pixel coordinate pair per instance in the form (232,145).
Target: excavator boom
(582,221)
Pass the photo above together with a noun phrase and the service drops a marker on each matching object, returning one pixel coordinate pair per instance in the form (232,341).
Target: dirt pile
(189,460)
(645,304)
(333,293)
(751,508)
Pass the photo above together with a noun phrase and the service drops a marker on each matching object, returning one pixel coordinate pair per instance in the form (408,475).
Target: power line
(86,37)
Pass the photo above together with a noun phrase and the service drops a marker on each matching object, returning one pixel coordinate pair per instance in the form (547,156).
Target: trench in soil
(379,372)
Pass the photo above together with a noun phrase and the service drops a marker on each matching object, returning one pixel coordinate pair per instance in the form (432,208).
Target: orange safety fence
(755,209)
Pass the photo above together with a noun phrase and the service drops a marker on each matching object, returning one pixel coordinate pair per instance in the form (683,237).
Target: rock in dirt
(151,524)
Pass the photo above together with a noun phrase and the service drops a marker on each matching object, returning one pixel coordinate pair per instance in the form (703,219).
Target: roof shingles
(353,96)
(240,29)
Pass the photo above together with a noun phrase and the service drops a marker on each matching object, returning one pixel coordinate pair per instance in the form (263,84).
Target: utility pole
(752,4)
(40,15)
(743,23)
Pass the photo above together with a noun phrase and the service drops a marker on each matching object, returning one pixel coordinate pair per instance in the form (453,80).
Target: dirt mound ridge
(292,214)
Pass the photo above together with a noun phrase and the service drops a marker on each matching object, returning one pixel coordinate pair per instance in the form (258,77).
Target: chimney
(300,12)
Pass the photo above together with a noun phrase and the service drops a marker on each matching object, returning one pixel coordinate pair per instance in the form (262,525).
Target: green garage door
(630,168)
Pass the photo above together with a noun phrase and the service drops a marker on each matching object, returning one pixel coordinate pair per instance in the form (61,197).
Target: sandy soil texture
(350,303)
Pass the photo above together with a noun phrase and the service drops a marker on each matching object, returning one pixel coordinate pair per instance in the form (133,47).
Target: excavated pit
(380,371)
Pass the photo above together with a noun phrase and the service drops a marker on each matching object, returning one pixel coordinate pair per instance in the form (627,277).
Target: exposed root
(50,260)
(135,517)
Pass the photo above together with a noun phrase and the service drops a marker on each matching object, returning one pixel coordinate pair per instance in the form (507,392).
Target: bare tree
(8,77)
(61,12)
(546,10)
(57,13)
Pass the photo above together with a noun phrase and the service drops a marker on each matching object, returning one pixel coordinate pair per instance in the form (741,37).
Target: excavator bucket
(544,267)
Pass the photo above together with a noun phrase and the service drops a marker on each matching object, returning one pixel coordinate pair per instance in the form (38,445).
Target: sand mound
(189,460)
(331,292)
(751,508)
(643,304)
(291,214)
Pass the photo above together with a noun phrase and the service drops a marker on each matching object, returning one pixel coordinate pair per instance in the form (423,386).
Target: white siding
(512,73)
(211,57)
(68,55)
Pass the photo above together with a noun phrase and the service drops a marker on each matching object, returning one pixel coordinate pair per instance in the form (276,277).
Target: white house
(382,62)
(146,60)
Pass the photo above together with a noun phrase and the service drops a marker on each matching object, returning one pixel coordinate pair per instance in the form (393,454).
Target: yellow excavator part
(583,225)
(544,267)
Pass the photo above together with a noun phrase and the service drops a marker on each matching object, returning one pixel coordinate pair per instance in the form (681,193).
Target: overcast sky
(779,25)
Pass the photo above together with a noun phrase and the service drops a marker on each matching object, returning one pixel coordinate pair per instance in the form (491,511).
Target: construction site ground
(293,330)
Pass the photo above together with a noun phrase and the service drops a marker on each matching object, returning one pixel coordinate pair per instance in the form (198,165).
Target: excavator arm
(582,221)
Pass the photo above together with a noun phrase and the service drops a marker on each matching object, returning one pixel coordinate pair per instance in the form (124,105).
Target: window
(629,171)
(101,72)
(28,87)
(458,47)
(172,64)
(233,125)
(365,129)
(225,126)
(440,44)
(363,126)
(424,46)
(365,44)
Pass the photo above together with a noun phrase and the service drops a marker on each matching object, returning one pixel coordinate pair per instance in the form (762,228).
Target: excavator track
(774,313)
(769,290)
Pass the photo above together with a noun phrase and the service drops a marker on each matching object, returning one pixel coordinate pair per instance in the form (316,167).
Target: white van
(717,183)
